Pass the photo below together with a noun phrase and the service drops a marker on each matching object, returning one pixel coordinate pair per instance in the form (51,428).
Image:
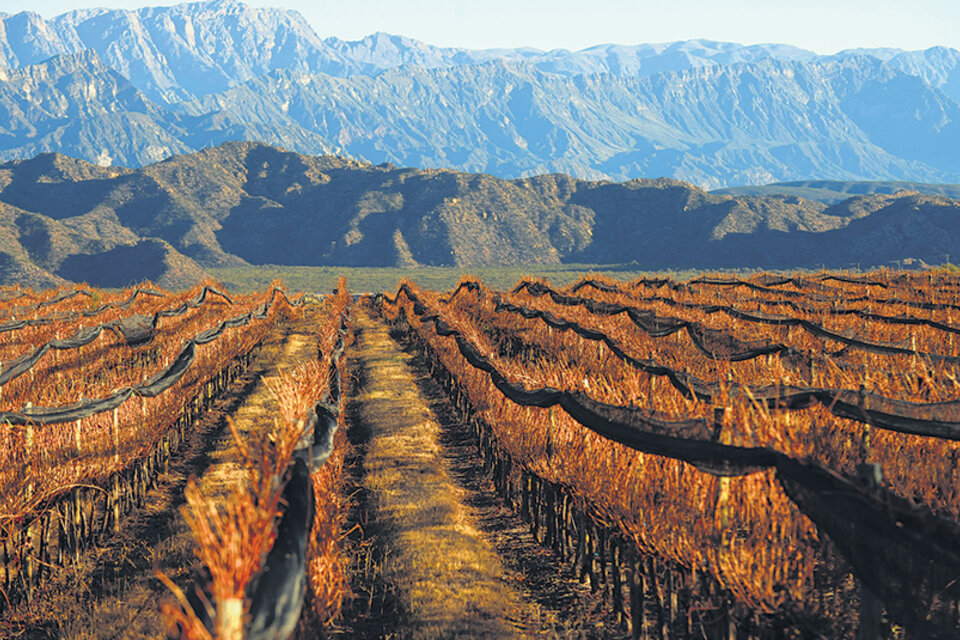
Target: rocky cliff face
(132,87)
(714,126)
(171,53)
(190,50)
(77,103)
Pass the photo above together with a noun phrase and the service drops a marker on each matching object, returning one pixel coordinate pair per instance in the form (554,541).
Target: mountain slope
(133,87)
(833,191)
(246,203)
(171,53)
(743,124)
(937,66)
(78,105)
(57,225)
(76,102)
(715,126)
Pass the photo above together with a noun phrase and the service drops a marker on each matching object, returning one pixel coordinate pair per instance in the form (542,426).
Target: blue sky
(825,26)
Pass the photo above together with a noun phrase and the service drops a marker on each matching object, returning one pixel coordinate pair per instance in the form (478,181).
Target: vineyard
(100,390)
(722,458)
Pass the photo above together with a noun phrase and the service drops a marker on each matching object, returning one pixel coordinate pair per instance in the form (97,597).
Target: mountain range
(250,204)
(130,88)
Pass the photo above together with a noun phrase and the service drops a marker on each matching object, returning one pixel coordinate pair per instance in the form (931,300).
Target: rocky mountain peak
(134,87)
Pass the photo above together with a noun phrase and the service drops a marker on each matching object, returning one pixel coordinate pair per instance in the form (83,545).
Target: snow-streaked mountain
(131,87)
(195,49)
(742,124)
(76,104)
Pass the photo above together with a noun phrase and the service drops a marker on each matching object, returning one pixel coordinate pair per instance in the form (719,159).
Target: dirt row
(441,556)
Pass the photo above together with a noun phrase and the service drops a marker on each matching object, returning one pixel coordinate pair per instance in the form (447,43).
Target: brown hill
(248,203)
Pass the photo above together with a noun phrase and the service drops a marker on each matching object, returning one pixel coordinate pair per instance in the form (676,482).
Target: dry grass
(449,581)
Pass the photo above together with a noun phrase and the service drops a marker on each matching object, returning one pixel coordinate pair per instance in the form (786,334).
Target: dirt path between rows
(113,592)
(451,562)
(256,413)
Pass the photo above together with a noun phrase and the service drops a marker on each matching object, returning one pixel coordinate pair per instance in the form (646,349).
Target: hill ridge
(246,203)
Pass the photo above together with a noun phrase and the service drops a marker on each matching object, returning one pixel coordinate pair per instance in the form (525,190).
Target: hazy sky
(825,26)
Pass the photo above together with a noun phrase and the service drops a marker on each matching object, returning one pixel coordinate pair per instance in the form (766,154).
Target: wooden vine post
(28,449)
(77,438)
(116,434)
(722,435)
(870,476)
(230,619)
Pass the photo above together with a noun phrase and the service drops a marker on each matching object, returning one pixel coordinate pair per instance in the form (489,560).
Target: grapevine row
(276,534)
(64,485)
(768,536)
